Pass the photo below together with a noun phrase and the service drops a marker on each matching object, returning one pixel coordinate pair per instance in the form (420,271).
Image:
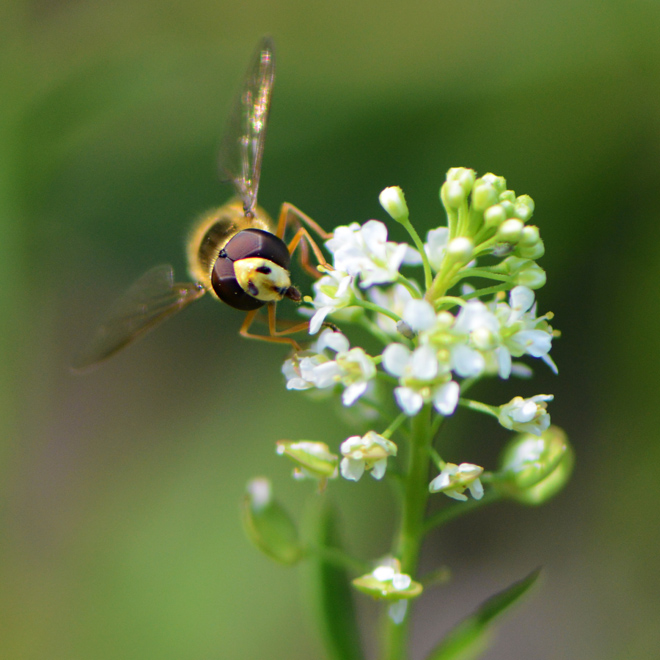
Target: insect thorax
(212,231)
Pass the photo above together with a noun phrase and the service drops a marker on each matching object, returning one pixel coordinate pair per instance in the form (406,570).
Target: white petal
(521,299)
(445,398)
(379,468)
(353,392)
(409,401)
(455,495)
(419,315)
(401,581)
(351,469)
(397,610)
(395,358)
(424,363)
(476,489)
(412,257)
(374,234)
(383,573)
(335,341)
(466,361)
(317,320)
(504,362)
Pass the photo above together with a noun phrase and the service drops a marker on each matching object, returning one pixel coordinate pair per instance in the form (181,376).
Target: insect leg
(290,214)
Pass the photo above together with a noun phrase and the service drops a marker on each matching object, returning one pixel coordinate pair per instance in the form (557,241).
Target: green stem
(457,510)
(479,407)
(377,308)
(487,291)
(428,275)
(411,532)
(339,558)
(412,289)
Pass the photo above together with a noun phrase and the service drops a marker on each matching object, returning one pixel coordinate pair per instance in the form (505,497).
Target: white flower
(522,332)
(351,367)
(365,251)
(387,582)
(356,370)
(418,372)
(313,460)
(526,415)
(454,479)
(334,291)
(394,299)
(369,452)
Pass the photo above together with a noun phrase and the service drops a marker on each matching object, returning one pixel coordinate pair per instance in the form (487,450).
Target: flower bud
(462,175)
(268,525)
(535,251)
(386,582)
(497,182)
(454,479)
(510,231)
(453,194)
(494,216)
(524,272)
(508,207)
(526,415)
(530,236)
(460,250)
(393,201)
(534,469)
(524,207)
(313,460)
(508,196)
(483,195)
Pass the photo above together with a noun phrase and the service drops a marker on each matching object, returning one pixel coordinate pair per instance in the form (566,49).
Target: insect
(233,252)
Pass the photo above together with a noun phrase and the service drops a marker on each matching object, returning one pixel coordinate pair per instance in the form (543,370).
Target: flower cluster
(433,344)
(434,317)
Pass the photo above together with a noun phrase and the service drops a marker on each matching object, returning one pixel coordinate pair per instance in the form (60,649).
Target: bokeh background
(119,491)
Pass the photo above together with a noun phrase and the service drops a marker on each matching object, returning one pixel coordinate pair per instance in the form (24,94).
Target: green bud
(268,525)
(393,201)
(452,194)
(510,231)
(483,195)
(508,196)
(534,252)
(509,208)
(494,216)
(313,460)
(460,250)
(534,469)
(524,272)
(497,182)
(385,582)
(462,175)
(530,236)
(524,207)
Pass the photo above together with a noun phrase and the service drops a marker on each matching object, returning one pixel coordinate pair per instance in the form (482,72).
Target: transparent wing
(243,142)
(152,299)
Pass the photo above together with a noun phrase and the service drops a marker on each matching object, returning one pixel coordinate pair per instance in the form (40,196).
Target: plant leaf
(471,637)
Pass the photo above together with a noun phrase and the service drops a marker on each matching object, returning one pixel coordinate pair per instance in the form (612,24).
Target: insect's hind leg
(290,214)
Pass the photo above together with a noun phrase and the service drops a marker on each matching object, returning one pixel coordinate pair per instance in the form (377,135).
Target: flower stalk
(439,337)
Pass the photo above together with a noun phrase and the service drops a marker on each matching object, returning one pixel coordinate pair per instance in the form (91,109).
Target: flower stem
(411,532)
(428,275)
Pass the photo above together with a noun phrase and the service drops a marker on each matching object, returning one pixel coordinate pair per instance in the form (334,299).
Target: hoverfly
(233,252)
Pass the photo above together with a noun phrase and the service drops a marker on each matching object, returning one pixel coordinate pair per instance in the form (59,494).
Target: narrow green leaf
(471,637)
(331,590)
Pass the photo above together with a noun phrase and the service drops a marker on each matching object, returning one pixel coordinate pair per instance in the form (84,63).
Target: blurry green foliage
(120,525)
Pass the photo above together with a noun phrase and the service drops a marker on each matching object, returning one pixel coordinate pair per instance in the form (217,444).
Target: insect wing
(152,299)
(243,142)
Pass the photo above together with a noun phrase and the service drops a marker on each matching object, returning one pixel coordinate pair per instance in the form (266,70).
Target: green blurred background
(120,533)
